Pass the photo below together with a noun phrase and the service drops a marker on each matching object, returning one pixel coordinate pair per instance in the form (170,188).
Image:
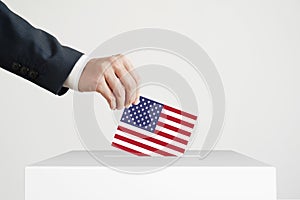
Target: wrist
(72,81)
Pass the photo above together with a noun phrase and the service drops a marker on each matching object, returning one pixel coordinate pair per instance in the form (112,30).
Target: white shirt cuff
(73,79)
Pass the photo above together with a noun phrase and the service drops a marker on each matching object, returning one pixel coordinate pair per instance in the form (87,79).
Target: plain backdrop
(255,46)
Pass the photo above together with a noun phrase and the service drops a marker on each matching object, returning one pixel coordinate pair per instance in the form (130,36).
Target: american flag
(154,129)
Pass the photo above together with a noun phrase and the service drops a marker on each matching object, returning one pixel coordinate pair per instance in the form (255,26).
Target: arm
(38,57)
(34,54)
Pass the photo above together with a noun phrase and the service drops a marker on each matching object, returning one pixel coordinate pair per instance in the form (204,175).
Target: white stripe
(159,128)
(178,116)
(153,135)
(181,126)
(131,146)
(122,133)
(151,144)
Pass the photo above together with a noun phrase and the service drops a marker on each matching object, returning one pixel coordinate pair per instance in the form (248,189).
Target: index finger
(128,65)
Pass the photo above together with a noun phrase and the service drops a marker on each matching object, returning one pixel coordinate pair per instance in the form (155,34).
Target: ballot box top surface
(190,158)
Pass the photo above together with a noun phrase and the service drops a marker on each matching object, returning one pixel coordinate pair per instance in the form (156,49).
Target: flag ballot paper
(151,128)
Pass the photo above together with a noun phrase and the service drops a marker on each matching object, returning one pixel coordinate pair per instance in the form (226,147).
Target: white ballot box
(81,175)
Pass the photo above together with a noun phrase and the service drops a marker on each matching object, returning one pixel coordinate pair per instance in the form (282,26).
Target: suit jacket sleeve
(34,54)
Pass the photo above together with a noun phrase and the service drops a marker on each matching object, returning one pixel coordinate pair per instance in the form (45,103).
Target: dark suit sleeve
(34,54)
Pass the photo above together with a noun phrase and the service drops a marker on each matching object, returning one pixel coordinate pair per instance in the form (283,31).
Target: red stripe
(145,137)
(172,137)
(178,130)
(136,143)
(174,119)
(180,112)
(128,149)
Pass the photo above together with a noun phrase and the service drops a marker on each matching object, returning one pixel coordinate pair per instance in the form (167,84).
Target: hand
(114,78)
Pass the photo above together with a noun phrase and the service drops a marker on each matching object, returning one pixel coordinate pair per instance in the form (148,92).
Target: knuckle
(108,74)
(117,67)
(136,75)
(119,55)
(124,58)
(111,59)
(111,99)
(105,64)
(122,73)
(96,84)
(119,92)
(112,62)
(131,86)
(138,79)
(100,87)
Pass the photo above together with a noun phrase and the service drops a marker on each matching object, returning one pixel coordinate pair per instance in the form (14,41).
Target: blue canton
(144,115)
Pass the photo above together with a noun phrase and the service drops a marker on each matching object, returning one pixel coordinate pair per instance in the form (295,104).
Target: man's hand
(114,78)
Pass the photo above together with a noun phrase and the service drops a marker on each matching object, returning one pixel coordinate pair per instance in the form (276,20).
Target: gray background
(254,44)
